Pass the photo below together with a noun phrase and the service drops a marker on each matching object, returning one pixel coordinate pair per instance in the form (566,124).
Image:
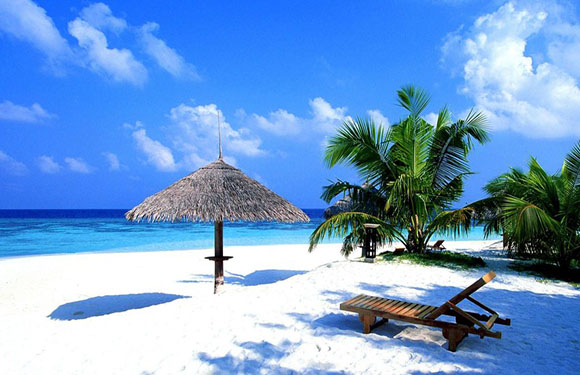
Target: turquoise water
(38,232)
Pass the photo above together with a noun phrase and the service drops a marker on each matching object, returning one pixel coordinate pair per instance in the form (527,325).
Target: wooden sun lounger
(437,245)
(369,308)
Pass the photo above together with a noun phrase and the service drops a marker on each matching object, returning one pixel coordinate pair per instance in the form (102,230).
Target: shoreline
(117,251)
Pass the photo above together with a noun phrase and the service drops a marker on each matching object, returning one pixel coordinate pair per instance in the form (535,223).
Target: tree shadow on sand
(529,345)
(262,358)
(104,305)
(260,277)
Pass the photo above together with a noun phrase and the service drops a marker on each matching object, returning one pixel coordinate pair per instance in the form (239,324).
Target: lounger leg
(454,337)
(367,320)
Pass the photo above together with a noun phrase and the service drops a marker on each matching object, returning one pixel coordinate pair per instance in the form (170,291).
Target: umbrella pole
(219,253)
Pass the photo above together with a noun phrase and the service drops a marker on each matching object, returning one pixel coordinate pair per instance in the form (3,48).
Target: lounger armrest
(491,321)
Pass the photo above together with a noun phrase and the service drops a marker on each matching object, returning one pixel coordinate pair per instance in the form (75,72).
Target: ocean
(41,232)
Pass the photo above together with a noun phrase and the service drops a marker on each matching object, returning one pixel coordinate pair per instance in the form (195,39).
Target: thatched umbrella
(217,192)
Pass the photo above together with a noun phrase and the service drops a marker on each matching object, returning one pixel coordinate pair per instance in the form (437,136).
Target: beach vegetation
(411,172)
(538,213)
(549,272)
(447,259)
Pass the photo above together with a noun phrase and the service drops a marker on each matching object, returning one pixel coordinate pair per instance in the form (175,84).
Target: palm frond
(527,219)
(476,126)
(572,165)
(413,99)
(443,118)
(363,145)
(455,222)
(351,223)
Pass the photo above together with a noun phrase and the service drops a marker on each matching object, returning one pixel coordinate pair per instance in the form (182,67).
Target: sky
(105,103)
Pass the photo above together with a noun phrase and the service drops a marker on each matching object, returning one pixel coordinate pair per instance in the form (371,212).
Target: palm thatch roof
(342,205)
(347,204)
(217,192)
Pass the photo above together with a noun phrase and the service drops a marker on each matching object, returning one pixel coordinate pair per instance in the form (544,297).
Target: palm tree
(412,171)
(538,213)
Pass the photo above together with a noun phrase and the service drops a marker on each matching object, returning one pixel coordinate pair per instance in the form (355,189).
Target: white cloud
(14,112)
(99,15)
(78,165)
(280,122)
(432,118)
(11,166)
(138,125)
(166,57)
(194,131)
(325,119)
(157,154)
(118,64)
(46,164)
(113,160)
(534,95)
(378,117)
(26,21)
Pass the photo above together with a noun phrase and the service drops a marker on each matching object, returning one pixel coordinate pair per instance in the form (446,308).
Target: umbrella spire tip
(219,136)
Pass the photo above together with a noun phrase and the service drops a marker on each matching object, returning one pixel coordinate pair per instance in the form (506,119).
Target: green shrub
(549,271)
(441,259)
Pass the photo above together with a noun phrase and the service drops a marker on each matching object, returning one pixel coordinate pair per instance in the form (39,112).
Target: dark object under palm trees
(217,192)
(369,308)
(538,213)
(438,246)
(411,171)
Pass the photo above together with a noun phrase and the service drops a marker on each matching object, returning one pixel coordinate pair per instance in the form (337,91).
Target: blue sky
(103,104)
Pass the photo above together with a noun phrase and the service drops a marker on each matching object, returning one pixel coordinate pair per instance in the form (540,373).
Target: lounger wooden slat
(407,310)
(368,304)
(414,310)
(354,299)
(364,301)
(427,312)
(400,308)
(396,305)
(371,307)
(421,310)
(358,301)
(403,310)
(375,304)
(384,304)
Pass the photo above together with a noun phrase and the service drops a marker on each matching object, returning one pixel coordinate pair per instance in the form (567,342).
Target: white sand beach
(155,313)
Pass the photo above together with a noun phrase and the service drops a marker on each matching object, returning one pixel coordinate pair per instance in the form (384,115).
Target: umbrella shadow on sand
(104,305)
(260,277)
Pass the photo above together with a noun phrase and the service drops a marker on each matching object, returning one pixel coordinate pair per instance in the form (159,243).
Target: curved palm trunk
(416,241)
(417,238)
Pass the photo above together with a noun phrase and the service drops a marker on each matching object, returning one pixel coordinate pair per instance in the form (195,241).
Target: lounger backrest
(438,243)
(472,288)
(463,294)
